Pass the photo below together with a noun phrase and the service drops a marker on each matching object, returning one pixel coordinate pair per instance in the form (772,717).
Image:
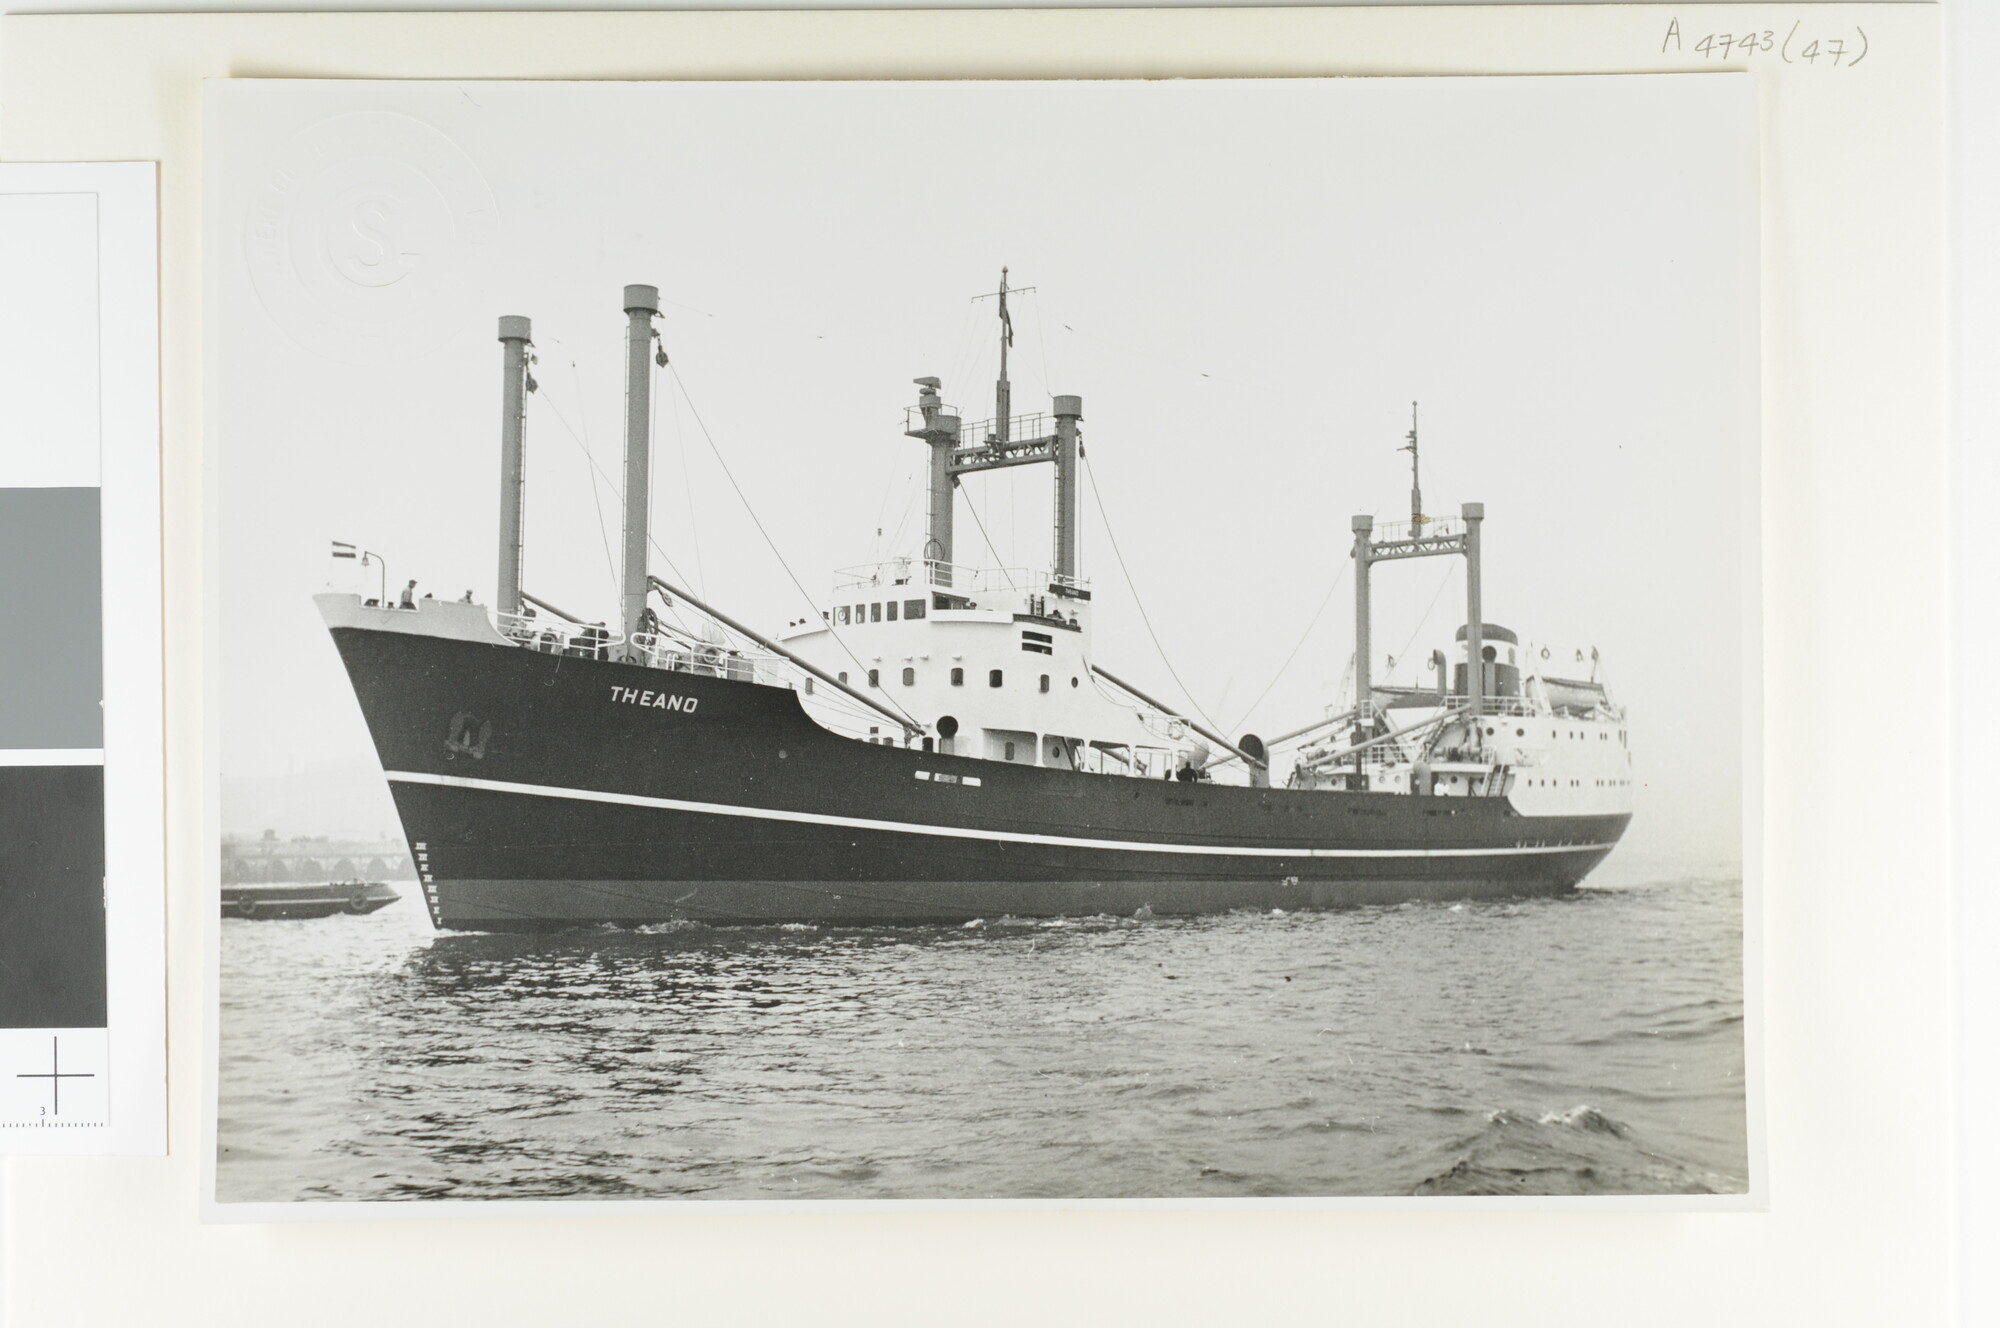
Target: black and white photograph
(982,641)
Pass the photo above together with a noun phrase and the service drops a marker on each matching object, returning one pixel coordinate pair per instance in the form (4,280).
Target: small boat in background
(305,899)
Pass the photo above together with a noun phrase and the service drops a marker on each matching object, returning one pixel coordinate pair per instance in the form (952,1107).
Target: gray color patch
(51,598)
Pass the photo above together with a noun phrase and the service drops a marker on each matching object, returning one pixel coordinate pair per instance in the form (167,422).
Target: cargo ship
(941,742)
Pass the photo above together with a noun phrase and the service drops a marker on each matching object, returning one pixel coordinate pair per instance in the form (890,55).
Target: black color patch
(52,896)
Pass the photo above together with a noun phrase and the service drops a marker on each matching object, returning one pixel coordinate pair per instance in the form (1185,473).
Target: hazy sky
(1248,283)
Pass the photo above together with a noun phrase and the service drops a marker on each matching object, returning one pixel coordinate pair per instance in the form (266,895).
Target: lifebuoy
(247,907)
(357,901)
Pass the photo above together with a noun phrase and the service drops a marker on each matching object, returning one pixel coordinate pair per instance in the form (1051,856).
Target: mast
(1475,625)
(1003,391)
(1063,448)
(515,384)
(1069,409)
(1364,560)
(1394,546)
(939,432)
(1417,517)
(642,305)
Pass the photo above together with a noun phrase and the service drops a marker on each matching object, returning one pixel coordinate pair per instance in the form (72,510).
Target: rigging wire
(611,484)
(1042,348)
(911,483)
(1449,573)
(757,521)
(999,563)
(1297,646)
(1098,498)
(687,491)
(1152,357)
(610,565)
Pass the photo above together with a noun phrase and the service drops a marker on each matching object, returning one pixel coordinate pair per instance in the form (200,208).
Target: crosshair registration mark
(55,1074)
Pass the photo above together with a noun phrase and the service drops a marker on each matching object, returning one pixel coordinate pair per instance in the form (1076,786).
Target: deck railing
(952,578)
(556,636)
(1020,429)
(1440,527)
(713,661)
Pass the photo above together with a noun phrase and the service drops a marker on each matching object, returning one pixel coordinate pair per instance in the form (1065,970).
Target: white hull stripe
(963,832)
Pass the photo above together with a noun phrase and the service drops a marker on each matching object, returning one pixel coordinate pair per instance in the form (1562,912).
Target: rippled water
(1591,1044)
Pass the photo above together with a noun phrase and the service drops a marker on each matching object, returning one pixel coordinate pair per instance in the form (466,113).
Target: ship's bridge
(988,662)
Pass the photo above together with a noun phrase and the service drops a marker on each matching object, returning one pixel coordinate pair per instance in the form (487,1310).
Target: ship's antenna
(1417,517)
(1003,390)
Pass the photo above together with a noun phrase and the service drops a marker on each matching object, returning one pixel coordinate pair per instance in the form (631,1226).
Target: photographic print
(982,641)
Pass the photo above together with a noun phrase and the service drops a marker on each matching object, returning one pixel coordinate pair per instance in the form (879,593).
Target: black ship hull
(546,790)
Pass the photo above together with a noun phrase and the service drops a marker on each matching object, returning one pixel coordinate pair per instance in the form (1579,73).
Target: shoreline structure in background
(1510,209)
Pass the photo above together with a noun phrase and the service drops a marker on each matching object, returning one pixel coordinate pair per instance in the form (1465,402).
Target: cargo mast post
(994,447)
(516,383)
(1413,542)
(642,306)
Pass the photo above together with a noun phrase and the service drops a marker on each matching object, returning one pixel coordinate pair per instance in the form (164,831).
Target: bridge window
(909,677)
(1010,751)
(1045,682)
(809,685)
(842,611)
(958,677)
(843,679)
(874,613)
(892,610)
(993,678)
(826,615)
(913,608)
(874,677)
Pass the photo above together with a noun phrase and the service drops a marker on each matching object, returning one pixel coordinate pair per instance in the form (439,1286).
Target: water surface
(1591,1044)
